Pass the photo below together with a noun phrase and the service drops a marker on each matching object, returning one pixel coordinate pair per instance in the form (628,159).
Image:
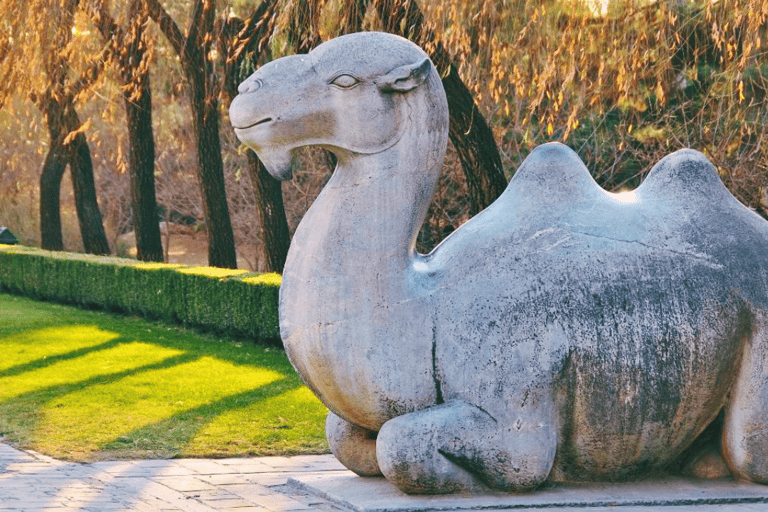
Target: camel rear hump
(684,175)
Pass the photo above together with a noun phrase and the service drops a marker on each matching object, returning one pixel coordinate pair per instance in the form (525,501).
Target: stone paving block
(154,472)
(142,506)
(160,494)
(280,503)
(250,508)
(24,466)
(47,459)
(135,486)
(272,479)
(228,479)
(249,492)
(206,467)
(216,493)
(283,463)
(36,484)
(741,507)
(8,452)
(184,483)
(143,468)
(113,466)
(251,467)
(236,461)
(228,503)
(320,462)
(96,506)
(147,504)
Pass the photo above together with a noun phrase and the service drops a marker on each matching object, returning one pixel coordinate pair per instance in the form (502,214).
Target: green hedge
(236,302)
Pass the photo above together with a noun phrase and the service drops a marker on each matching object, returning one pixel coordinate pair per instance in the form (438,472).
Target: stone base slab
(349,491)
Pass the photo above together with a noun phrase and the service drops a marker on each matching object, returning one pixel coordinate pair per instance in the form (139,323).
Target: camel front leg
(353,446)
(745,433)
(458,447)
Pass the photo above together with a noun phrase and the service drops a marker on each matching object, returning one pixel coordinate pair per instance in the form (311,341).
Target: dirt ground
(187,247)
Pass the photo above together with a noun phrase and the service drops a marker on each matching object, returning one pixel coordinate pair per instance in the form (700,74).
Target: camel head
(356,94)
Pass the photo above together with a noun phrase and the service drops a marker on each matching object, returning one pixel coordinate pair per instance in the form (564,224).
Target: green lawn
(89,385)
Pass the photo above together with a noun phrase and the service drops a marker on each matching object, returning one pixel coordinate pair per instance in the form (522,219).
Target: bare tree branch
(167,25)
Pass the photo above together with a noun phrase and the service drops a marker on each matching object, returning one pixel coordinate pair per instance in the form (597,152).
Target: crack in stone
(702,257)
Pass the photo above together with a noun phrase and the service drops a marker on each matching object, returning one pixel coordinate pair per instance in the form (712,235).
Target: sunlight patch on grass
(106,413)
(90,385)
(38,344)
(122,358)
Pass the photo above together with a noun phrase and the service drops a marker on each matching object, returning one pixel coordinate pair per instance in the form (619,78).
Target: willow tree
(196,47)
(129,50)
(623,82)
(56,75)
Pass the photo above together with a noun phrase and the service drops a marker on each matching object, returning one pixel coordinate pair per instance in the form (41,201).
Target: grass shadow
(168,437)
(26,409)
(46,361)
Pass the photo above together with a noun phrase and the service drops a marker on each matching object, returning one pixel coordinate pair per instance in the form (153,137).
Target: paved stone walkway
(31,482)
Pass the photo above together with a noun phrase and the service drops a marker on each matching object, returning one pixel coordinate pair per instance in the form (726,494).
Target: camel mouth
(266,120)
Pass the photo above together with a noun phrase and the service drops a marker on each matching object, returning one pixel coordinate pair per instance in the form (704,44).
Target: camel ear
(405,78)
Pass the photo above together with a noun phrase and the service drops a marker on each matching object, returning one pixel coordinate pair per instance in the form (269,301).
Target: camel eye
(345,81)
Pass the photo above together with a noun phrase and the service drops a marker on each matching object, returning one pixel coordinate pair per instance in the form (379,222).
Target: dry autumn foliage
(623,82)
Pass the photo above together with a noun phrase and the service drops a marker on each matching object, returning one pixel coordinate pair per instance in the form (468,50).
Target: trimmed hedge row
(236,302)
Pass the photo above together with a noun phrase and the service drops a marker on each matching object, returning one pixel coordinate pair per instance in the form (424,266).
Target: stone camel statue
(564,333)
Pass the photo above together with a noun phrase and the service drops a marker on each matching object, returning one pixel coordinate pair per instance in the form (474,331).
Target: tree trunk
(86,204)
(50,190)
(273,223)
(141,164)
(128,48)
(475,145)
(62,120)
(194,51)
(205,112)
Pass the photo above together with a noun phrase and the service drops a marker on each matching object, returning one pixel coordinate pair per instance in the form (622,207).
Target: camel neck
(374,205)
(378,204)
(360,231)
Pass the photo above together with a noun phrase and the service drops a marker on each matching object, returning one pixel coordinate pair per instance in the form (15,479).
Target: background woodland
(113,115)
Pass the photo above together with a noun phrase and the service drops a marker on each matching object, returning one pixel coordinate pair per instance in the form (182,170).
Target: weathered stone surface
(565,332)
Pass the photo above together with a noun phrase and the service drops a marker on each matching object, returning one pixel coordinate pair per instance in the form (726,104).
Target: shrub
(235,302)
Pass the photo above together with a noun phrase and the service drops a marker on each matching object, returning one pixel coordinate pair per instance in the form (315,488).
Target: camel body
(565,332)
